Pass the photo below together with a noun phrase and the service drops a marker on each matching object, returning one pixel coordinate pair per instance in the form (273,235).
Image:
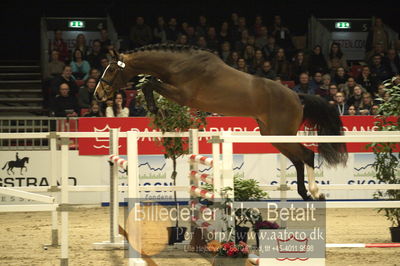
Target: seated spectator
(352,110)
(340,102)
(94,73)
(65,104)
(333,89)
(140,34)
(374,110)
(336,58)
(392,62)
(95,55)
(267,71)
(262,39)
(241,44)
(258,61)
(80,43)
(340,76)
(103,64)
(304,85)
(80,68)
(378,50)
(317,61)
(159,31)
(182,40)
(94,110)
(323,89)
(233,59)
(65,77)
(85,95)
(223,34)
(298,66)
(118,108)
(258,25)
(356,98)
(282,34)
(136,108)
(201,42)
(270,49)
(281,65)
(104,40)
(316,81)
(366,80)
(59,45)
(172,30)
(248,55)
(54,67)
(242,66)
(212,39)
(366,104)
(225,51)
(349,86)
(191,35)
(202,27)
(379,70)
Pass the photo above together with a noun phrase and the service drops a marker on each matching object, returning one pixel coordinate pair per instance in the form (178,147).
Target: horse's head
(111,80)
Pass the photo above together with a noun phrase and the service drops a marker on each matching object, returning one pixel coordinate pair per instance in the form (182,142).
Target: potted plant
(387,161)
(172,117)
(228,253)
(244,190)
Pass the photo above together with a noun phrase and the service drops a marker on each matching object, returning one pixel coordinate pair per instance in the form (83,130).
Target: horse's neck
(155,63)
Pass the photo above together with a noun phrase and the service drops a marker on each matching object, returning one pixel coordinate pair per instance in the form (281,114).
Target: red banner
(99,146)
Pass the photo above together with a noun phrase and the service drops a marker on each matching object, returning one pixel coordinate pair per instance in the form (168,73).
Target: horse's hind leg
(297,154)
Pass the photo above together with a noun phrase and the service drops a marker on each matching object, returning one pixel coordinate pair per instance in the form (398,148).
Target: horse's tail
(318,112)
(4,167)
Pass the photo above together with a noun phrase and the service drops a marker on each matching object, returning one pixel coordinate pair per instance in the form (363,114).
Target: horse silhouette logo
(18,163)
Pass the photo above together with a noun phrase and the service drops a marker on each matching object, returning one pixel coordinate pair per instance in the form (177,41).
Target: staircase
(20,88)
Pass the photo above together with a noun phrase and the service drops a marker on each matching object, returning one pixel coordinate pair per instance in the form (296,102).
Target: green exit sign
(76,24)
(342,25)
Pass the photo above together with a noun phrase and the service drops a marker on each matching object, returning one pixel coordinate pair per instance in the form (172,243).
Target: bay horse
(16,164)
(200,79)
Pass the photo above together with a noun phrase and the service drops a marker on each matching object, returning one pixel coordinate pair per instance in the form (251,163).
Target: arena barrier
(226,172)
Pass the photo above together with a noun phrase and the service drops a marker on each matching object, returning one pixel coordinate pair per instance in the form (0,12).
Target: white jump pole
(193,149)
(227,176)
(116,240)
(53,187)
(64,201)
(134,194)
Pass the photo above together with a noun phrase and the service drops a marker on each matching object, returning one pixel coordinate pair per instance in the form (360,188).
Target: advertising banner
(100,146)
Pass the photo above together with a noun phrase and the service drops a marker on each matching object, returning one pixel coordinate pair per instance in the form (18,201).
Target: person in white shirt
(118,109)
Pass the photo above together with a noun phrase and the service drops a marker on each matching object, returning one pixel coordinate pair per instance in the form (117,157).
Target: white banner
(32,168)
(351,43)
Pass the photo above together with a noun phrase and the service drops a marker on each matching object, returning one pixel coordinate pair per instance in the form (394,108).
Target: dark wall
(20,31)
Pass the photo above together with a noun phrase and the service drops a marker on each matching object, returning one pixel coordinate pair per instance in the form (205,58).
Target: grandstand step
(37,99)
(30,81)
(20,90)
(19,74)
(21,108)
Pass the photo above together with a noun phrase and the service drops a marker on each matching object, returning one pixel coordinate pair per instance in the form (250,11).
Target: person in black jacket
(65,105)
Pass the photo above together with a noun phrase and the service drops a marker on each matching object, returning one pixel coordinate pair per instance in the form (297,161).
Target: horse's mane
(168,47)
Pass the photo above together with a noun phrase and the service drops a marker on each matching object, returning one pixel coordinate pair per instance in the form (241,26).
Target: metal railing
(35,125)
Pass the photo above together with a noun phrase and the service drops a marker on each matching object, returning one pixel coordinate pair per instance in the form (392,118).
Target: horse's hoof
(321,197)
(307,198)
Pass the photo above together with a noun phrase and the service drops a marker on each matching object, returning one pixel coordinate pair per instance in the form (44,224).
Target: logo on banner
(105,129)
(18,163)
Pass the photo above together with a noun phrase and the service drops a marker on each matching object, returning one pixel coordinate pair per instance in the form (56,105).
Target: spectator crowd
(256,48)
